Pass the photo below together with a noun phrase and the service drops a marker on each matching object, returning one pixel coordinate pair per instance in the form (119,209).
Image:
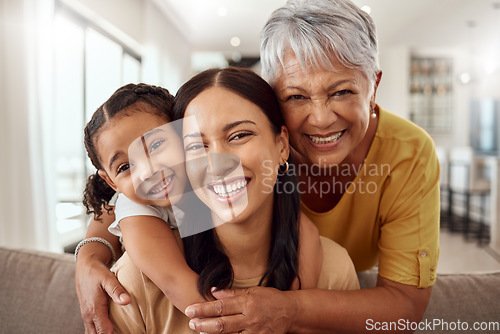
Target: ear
(377,82)
(284,144)
(108,180)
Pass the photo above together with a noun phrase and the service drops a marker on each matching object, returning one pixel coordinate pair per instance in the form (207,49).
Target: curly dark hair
(147,98)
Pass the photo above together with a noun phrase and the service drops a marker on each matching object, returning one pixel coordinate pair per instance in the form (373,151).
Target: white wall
(393,93)
(165,49)
(126,15)
(167,53)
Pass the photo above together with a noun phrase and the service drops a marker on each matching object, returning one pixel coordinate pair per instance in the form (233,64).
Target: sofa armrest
(37,293)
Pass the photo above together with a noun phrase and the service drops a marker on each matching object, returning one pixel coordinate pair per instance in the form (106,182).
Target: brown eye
(123,168)
(296,97)
(156,145)
(342,92)
(240,135)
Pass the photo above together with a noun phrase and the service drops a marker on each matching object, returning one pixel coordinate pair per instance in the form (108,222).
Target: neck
(247,244)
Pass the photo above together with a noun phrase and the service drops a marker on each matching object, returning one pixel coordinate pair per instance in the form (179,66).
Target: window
(89,65)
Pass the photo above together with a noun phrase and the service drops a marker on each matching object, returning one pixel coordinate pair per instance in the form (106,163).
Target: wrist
(94,252)
(292,310)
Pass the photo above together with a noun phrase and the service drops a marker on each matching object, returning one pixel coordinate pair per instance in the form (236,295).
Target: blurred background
(61,59)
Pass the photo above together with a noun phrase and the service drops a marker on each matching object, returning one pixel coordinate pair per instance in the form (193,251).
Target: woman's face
(143,158)
(232,154)
(327,113)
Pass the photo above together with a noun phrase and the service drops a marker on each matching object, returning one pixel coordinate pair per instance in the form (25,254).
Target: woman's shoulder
(398,139)
(392,126)
(337,272)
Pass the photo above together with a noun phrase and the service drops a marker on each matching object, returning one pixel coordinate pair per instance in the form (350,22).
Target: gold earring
(373,114)
(280,168)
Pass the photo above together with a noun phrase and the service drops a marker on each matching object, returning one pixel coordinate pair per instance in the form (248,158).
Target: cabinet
(431,93)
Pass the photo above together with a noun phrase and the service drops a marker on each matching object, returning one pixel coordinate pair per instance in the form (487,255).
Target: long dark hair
(147,98)
(203,251)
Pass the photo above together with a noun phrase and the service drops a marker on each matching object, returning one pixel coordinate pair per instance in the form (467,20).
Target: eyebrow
(234,124)
(114,158)
(332,86)
(152,132)
(225,128)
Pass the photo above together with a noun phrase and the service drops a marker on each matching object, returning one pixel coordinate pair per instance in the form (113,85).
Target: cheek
(195,170)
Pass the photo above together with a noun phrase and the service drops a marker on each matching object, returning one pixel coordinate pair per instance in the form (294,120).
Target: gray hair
(315,30)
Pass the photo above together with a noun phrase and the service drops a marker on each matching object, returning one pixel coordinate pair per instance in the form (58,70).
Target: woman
(368,179)
(231,136)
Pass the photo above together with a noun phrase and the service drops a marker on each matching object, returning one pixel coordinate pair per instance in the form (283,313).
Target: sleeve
(125,207)
(409,228)
(129,318)
(337,272)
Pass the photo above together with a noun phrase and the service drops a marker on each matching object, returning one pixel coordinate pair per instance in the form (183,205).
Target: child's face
(143,158)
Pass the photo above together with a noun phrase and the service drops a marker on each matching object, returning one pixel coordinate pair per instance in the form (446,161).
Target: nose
(222,164)
(321,113)
(212,167)
(143,169)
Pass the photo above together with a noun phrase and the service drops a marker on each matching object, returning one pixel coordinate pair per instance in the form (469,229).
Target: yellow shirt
(389,214)
(151,312)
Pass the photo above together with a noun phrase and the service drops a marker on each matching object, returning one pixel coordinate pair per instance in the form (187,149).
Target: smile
(161,186)
(326,140)
(229,189)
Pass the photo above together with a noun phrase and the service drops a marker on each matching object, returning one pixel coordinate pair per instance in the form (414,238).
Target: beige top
(151,312)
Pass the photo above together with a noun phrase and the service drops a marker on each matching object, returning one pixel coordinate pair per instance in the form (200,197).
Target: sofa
(37,295)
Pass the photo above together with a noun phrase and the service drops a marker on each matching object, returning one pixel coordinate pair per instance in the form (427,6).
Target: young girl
(134,122)
(136,117)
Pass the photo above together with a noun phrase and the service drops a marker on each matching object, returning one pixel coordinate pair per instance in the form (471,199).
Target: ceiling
(415,23)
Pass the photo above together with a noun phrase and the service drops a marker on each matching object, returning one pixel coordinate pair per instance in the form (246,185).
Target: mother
(368,179)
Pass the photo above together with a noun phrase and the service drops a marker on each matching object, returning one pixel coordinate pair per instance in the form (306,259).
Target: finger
(215,308)
(228,324)
(227,293)
(89,326)
(116,291)
(102,322)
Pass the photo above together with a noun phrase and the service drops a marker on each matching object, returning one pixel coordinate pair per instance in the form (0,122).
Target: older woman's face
(327,113)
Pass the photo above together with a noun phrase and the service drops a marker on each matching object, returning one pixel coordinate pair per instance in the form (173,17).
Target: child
(136,116)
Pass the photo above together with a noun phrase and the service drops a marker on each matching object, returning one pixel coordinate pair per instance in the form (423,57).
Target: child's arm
(310,254)
(154,249)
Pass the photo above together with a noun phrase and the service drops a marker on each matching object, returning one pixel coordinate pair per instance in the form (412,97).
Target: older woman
(368,179)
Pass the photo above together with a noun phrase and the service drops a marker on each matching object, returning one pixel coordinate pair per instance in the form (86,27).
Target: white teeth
(229,190)
(325,140)
(161,186)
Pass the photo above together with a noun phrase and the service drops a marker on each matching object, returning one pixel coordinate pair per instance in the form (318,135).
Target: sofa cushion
(37,293)
(458,300)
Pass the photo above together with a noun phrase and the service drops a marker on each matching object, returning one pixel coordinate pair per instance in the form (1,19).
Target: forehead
(293,70)
(122,130)
(217,106)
